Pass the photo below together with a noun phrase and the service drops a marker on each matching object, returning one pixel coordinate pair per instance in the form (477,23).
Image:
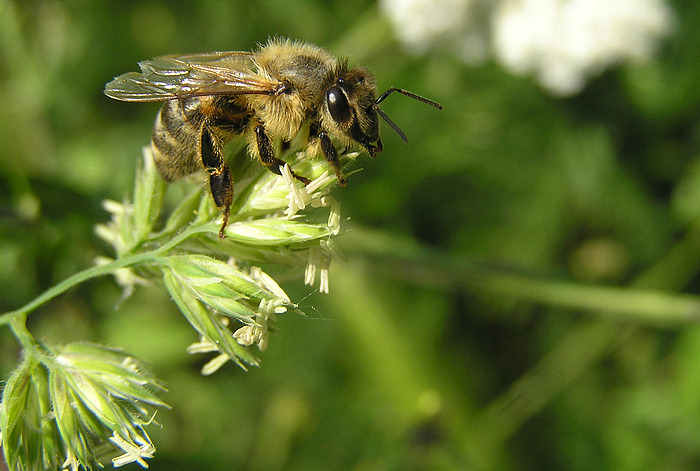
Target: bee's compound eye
(338,105)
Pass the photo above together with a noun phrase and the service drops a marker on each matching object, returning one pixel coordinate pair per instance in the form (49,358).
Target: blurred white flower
(452,24)
(561,42)
(564,41)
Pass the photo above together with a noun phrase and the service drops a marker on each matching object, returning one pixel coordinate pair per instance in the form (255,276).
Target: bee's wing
(170,77)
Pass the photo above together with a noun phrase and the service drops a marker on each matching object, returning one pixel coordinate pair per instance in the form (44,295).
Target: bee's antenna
(391,123)
(383,96)
(409,94)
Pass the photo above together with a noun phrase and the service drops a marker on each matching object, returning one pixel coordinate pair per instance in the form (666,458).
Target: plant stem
(645,302)
(101,270)
(19,329)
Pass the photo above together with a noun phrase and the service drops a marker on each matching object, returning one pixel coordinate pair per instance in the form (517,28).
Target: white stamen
(203,346)
(267,282)
(132,452)
(214,364)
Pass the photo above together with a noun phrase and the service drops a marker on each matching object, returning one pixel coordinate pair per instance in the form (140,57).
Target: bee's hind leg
(267,154)
(220,178)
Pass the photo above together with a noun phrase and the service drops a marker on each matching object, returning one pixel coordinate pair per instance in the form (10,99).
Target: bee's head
(349,106)
(353,108)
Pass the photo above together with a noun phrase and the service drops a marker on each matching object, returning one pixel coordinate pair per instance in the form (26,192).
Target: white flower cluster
(455,24)
(561,42)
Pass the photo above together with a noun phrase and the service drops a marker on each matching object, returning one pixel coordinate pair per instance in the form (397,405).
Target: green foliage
(517,287)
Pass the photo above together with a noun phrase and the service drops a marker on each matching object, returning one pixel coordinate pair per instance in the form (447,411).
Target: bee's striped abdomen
(176,136)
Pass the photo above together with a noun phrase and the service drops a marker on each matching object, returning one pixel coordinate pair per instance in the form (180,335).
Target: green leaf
(68,421)
(278,231)
(205,322)
(149,190)
(201,270)
(12,419)
(185,211)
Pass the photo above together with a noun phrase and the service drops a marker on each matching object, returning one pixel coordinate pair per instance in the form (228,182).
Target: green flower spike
(81,402)
(215,282)
(73,406)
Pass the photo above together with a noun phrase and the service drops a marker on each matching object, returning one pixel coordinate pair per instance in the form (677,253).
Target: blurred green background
(510,296)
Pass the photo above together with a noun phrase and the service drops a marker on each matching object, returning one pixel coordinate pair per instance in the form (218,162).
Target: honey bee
(269,96)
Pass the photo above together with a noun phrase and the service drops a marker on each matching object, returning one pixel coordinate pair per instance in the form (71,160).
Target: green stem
(652,303)
(19,329)
(101,270)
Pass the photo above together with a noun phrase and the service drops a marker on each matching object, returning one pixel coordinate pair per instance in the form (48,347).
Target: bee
(269,97)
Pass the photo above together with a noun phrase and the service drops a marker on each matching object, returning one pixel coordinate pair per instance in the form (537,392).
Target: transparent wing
(169,77)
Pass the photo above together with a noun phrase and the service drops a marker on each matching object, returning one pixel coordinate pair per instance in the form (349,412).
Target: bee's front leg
(220,179)
(331,156)
(267,154)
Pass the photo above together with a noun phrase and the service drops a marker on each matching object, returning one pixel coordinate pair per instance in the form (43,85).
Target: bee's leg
(331,156)
(267,154)
(220,179)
